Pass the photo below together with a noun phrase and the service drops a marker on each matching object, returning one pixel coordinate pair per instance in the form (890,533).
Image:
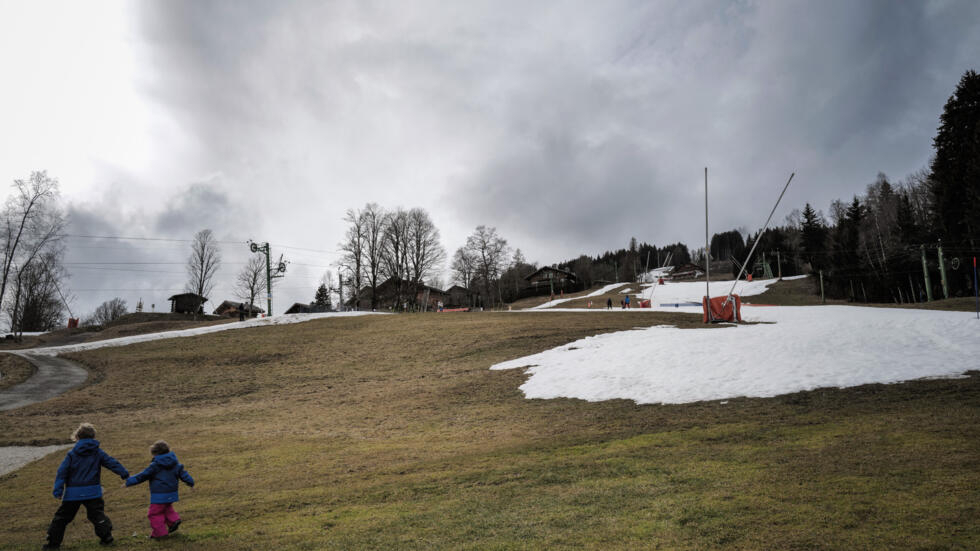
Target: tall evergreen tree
(955,179)
(322,298)
(814,237)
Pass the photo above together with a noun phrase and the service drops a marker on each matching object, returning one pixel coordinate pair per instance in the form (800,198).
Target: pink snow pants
(162,516)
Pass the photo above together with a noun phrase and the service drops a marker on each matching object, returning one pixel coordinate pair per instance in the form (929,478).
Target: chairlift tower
(269,274)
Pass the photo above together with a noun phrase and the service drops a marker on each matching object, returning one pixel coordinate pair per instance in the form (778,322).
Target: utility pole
(925,274)
(269,274)
(822,299)
(779,262)
(707,256)
(942,270)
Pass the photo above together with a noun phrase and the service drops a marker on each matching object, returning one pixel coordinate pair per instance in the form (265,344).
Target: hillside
(391,432)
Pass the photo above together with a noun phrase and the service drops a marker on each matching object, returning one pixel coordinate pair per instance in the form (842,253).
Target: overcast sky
(570,126)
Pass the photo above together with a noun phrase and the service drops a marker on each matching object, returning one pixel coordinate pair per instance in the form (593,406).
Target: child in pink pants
(164,474)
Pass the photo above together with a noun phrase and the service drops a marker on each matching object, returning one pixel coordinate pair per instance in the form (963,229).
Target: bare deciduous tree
(463,266)
(373,223)
(109,311)
(203,263)
(425,252)
(37,303)
(490,253)
(32,225)
(251,281)
(352,260)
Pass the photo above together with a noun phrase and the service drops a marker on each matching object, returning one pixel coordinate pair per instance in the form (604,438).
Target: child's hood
(166,460)
(86,446)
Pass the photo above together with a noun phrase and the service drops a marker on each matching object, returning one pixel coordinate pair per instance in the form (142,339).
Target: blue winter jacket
(163,474)
(79,477)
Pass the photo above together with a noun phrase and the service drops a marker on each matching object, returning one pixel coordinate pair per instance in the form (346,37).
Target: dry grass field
(390,432)
(13,370)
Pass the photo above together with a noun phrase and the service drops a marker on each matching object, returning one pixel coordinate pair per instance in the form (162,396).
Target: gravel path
(15,457)
(54,376)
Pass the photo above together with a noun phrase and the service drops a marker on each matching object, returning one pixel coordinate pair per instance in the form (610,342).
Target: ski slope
(557,301)
(807,347)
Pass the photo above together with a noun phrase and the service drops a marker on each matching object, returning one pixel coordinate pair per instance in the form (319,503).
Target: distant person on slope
(608,304)
(78,483)
(627,302)
(163,473)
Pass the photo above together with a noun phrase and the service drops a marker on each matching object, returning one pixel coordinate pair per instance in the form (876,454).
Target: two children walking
(78,482)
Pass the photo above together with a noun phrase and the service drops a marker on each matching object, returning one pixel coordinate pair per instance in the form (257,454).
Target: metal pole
(754,245)
(822,299)
(976,294)
(779,262)
(707,253)
(925,274)
(268,278)
(942,271)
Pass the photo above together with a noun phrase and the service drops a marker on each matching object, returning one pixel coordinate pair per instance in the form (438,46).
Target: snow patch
(557,301)
(808,347)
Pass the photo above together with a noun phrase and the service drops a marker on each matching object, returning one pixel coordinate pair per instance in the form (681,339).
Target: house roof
(188,295)
(229,304)
(459,287)
(551,269)
(301,308)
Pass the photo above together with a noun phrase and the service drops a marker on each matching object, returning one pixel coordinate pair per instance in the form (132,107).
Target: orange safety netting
(732,311)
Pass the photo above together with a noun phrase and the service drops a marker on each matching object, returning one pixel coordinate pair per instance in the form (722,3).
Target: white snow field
(601,291)
(672,292)
(807,347)
(284,319)
(687,294)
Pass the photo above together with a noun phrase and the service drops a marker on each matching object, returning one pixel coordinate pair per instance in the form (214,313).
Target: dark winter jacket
(78,477)
(163,474)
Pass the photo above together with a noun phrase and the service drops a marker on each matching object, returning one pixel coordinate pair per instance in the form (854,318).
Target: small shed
(230,309)
(187,303)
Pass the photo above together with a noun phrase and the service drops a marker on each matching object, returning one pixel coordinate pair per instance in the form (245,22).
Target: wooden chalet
(187,303)
(229,309)
(395,294)
(460,297)
(687,271)
(550,277)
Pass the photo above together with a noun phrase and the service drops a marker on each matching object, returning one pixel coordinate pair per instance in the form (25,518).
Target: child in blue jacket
(78,483)
(163,473)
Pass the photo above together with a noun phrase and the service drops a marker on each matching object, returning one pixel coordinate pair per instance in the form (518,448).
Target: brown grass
(14,370)
(390,432)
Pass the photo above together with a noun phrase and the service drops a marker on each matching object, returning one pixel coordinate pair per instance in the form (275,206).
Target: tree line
(900,241)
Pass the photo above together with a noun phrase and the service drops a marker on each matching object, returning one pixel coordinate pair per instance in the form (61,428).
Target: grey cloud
(589,121)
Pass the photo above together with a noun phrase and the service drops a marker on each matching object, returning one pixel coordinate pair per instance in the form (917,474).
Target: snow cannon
(722,309)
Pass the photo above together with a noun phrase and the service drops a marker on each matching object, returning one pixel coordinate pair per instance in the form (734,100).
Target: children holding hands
(78,482)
